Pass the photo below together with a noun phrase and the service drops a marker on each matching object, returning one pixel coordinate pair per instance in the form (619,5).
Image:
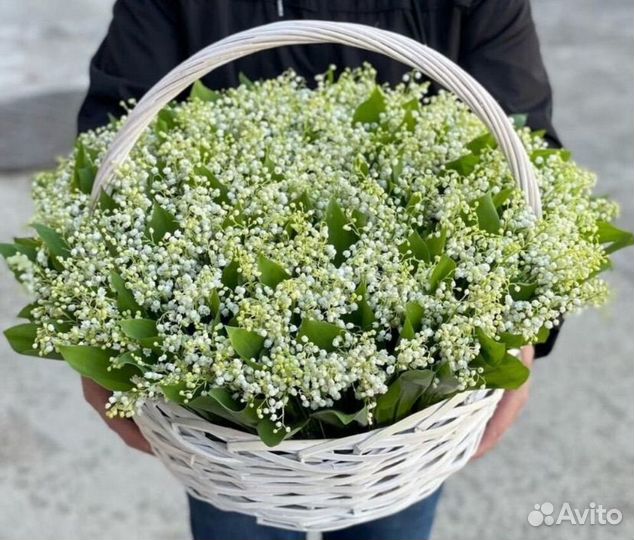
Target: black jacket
(494,40)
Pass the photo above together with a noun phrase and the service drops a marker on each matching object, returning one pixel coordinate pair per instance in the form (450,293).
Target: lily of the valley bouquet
(304,262)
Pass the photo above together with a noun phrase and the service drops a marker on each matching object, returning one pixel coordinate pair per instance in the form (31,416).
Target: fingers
(125,428)
(507,411)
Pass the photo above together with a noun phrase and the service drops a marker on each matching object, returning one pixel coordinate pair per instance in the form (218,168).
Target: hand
(508,409)
(127,430)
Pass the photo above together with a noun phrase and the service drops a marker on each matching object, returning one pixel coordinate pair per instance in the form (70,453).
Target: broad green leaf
(443,270)
(246,343)
(9,250)
(245,81)
(165,121)
(542,335)
(446,385)
(27,311)
(106,202)
(304,202)
(139,328)
(488,219)
(612,235)
(545,153)
(463,165)
(436,244)
(369,112)
(510,373)
(502,196)
(201,92)
(340,233)
(216,184)
(408,118)
(363,316)
(412,321)
(340,419)
(231,275)
(513,341)
(94,363)
(54,241)
(402,395)
(220,402)
(321,333)
(491,350)
(272,436)
(482,142)
(172,392)
(214,302)
(84,171)
(271,273)
(417,247)
(125,299)
(21,338)
(161,222)
(522,291)
(519,120)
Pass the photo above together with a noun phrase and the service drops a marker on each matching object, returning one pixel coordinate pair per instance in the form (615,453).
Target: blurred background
(64,475)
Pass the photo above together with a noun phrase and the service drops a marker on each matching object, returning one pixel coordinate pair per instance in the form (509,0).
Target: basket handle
(295,32)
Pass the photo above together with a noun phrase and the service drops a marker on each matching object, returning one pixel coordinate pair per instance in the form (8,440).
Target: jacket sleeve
(500,48)
(143,43)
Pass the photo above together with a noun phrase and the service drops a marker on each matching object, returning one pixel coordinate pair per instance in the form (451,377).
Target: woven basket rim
(194,421)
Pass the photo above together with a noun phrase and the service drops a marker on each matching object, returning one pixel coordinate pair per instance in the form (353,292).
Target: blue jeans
(413,523)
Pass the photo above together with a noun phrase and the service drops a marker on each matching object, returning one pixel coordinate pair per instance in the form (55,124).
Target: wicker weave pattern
(325,484)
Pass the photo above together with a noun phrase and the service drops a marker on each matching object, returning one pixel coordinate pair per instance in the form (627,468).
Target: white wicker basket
(321,484)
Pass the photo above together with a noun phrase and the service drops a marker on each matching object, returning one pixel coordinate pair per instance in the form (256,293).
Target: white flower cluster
(307,221)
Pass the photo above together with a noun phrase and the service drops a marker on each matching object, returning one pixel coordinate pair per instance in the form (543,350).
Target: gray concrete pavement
(63,475)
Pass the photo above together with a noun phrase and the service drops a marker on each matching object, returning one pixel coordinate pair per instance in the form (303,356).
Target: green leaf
(463,165)
(223,196)
(245,81)
(247,344)
(338,236)
(413,320)
(22,337)
(161,222)
(408,118)
(363,316)
(9,250)
(94,363)
(165,121)
(519,120)
(84,171)
(219,401)
(139,328)
(436,244)
(482,142)
(491,350)
(272,436)
(513,341)
(106,202)
(612,235)
(488,219)
(321,333)
(446,384)
(417,247)
(402,395)
(125,299)
(522,291)
(502,196)
(510,373)
(231,275)
(27,311)
(271,273)
(542,335)
(370,110)
(172,392)
(545,153)
(54,241)
(443,270)
(340,419)
(201,92)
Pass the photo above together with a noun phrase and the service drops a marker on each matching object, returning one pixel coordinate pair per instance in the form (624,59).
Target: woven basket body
(321,484)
